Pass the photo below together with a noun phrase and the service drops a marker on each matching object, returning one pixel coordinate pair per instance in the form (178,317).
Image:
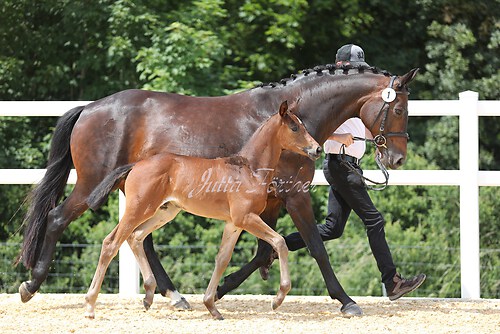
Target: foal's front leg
(261,258)
(229,239)
(253,224)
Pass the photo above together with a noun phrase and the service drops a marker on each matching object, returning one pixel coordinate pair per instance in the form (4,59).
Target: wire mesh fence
(74,264)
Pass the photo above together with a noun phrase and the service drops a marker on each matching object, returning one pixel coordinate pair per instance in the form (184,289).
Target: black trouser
(348,192)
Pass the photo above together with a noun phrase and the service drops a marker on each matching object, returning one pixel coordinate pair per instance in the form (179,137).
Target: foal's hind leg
(229,238)
(110,247)
(133,217)
(58,219)
(165,285)
(135,241)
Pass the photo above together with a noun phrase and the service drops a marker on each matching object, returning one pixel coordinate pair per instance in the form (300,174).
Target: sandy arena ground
(61,313)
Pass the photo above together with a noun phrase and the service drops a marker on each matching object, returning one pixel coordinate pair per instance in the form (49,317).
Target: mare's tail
(47,193)
(110,182)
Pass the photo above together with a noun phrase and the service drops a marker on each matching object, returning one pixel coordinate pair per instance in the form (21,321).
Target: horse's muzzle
(314,152)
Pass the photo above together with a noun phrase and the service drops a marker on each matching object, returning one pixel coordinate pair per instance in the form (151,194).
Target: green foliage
(67,50)
(181,56)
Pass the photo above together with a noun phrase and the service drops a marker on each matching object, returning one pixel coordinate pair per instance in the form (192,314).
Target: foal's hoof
(276,303)
(90,315)
(146,304)
(351,309)
(26,295)
(182,305)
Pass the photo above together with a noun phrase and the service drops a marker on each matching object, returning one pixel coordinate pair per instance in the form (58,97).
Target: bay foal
(233,189)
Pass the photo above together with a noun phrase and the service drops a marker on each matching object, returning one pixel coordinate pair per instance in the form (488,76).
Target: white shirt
(354,126)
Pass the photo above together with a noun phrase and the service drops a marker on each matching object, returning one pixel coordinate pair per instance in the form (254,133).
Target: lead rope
(376,185)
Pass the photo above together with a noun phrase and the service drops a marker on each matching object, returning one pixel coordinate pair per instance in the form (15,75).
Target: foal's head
(293,135)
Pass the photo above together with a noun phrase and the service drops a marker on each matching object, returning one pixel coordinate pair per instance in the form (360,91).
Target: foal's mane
(328,69)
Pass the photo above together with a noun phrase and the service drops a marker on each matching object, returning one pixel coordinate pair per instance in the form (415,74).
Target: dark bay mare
(132,125)
(159,187)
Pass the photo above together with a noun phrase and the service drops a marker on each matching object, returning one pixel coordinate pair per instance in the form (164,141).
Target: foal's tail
(47,193)
(110,182)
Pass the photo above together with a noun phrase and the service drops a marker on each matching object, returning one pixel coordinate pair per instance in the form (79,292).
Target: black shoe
(264,270)
(402,286)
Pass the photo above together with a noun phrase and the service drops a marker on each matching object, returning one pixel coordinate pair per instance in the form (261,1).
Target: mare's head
(293,135)
(385,114)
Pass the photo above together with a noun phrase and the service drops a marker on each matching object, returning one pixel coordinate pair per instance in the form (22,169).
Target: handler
(348,192)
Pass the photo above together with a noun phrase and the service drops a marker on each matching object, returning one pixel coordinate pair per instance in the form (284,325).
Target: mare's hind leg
(165,285)
(57,221)
(234,280)
(229,239)
(135,241)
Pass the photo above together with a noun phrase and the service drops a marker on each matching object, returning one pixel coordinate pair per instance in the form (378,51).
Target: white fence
(468,177)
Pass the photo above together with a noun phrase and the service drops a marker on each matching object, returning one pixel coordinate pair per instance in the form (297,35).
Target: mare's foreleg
(165,284)
(229,239)
(58,219)
(300,209)
(234,280)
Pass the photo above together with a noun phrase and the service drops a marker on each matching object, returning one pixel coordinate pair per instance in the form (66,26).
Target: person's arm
(344,138)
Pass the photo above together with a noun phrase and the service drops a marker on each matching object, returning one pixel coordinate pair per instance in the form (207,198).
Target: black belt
(343,157)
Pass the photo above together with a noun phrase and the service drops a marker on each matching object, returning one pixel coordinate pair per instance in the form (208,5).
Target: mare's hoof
(26,295)
(264,273)
(351,310)
(182,305)
(146,304)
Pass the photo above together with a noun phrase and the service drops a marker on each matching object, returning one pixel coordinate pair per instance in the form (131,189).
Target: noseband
(388,95)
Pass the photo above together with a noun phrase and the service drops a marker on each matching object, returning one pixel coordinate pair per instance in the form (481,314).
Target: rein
(377,185)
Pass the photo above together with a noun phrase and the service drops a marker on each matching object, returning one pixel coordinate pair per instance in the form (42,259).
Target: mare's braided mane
(328,69)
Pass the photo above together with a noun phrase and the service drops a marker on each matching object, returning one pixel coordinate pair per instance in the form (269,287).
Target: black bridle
(388,95)
(380,140)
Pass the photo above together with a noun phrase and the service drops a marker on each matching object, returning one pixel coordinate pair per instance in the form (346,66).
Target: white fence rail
(468,177)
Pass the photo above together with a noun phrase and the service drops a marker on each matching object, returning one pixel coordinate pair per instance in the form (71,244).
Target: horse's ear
(293,107)
(283,108)
(408,77)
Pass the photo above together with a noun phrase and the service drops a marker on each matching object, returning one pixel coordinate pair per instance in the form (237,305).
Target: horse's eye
(294,127)
(398,111)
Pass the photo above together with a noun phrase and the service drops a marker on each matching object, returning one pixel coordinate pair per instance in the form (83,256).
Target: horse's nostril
(319,150)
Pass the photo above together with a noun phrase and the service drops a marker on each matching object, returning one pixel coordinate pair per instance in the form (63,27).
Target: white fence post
(128,268)
(469,194)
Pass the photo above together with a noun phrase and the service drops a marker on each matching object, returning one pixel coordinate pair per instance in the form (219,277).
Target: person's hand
(344,138)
